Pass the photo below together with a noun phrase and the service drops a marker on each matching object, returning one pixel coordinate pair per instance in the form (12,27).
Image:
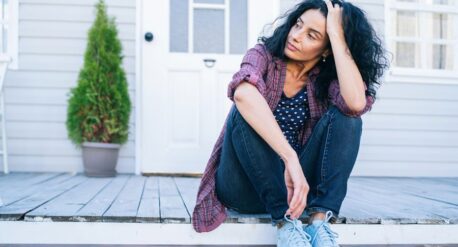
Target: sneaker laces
(325,231)
(297,239)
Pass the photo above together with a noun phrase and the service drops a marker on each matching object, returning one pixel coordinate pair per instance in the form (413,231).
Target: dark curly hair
(364,44)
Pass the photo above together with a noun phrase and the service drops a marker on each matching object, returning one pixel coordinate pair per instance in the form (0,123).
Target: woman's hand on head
(297,188)
(334,25)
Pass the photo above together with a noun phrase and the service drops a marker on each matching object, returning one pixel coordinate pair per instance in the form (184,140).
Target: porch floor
(66,197)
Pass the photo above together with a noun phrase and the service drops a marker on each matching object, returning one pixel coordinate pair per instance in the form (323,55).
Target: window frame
(12,32)
(420,75)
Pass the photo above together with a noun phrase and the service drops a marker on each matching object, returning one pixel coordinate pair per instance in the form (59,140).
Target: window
(8,31)
(423,37)
(208,26)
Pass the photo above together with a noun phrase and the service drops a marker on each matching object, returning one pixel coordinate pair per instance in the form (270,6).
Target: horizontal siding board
(55,163)
(419,91)
(40,46)
(394,153)
(43,114)
(46,12)
(60,147)
(416,107)
(404,169)
(46,131)
(65,29)
(44,96)
(49,79)
(70,3)
(72,63)
(409,138)
(410,122)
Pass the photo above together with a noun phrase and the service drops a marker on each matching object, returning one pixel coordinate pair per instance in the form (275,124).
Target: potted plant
(99,106)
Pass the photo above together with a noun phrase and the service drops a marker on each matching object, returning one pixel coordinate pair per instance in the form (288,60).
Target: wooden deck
(65,197)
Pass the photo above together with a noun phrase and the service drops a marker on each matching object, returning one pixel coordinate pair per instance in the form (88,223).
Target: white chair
(4,61)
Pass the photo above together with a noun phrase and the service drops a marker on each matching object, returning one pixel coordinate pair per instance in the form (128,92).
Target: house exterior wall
(52,41)
(411,130)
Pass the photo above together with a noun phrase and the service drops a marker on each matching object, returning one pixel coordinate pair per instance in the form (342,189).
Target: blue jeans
(250,175)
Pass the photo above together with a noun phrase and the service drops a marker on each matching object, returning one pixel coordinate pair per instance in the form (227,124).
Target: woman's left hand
(334,25)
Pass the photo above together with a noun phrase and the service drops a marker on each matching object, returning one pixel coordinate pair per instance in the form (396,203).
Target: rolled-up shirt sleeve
(252,69)
(336,99)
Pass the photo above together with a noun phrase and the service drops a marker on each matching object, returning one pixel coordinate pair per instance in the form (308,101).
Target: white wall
(52,41)
(412,129)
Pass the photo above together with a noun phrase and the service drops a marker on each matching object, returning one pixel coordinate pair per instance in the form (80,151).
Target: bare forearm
(351,83)
(256,112)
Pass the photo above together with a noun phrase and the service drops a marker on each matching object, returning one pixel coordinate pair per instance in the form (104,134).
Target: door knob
(149,36)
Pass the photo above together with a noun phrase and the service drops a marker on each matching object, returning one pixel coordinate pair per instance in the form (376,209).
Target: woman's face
(307,39)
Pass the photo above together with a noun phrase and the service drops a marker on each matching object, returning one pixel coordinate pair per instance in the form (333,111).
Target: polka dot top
(291,114)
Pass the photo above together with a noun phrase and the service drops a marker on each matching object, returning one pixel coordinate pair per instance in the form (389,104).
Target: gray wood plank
(13,179)
(394,206)
(64,207)
(125,206)
(434,189)
(130,198)
(93,211)
(173,209)
(19,192)
(422,194)
(30,185)
(149,209)
(18,209)
(188,188)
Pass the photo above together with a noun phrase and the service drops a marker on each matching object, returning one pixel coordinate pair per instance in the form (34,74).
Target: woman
(291,138)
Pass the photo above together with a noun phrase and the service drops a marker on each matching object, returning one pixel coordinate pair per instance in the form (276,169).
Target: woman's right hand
(297,187)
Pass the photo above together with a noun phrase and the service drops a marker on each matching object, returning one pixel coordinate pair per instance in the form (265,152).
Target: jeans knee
(348,122)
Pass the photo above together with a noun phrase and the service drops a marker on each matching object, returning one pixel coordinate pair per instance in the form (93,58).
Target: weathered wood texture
(156,199)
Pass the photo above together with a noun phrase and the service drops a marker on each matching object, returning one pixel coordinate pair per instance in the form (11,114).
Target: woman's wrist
(289,156)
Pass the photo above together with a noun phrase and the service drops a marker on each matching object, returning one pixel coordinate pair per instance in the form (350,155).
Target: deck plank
(18,209)
(125,207)
(430,196)
(159,199)
(188,187)
(64,207)
(149,209)
(93,211)
(31,186)
(14,179)
(173,209)
(394,205)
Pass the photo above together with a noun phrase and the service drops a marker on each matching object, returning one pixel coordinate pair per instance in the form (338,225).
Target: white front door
(189,51)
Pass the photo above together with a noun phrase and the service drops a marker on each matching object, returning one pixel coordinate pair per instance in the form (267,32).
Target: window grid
(422,43)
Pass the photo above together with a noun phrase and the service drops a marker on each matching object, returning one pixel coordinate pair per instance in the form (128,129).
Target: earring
(324,59)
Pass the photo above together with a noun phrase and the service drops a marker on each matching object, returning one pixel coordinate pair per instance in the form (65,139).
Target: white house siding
(52,41)
(412,129)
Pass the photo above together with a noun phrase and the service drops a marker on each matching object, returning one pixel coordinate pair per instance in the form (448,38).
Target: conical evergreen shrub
(99,106)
